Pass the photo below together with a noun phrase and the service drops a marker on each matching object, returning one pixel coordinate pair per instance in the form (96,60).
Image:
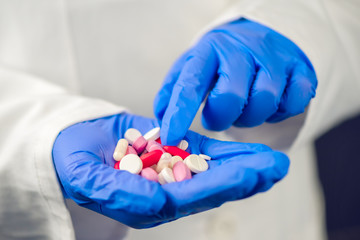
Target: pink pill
(152,143)
(150,174)
(156,147)
(139,144)
(181,172)
(130,150)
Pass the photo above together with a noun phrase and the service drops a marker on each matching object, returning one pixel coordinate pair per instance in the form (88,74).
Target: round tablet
(153,134)
(174,160)
(206,157)
(163,162)
(166,176)
(131,163)
(165,157)
(183,145)
(131,135)
(196,163)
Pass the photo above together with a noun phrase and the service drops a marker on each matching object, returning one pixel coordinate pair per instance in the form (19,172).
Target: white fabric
(119,51)
(32,113)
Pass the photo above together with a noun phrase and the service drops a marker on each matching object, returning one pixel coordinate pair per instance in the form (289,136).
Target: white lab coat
(54,53)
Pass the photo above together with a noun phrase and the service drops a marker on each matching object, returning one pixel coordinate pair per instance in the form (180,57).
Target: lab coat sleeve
(328,31)
(32,113)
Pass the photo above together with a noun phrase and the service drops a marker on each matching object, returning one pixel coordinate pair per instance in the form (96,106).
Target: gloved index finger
(164,94)
(189,91)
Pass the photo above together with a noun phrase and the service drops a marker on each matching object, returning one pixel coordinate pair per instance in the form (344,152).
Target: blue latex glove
(251,74)
(82,155)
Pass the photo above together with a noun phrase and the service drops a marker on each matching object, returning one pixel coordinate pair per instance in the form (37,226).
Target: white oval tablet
(131,163)
(174,160)
(183,145)
(196,163)
(131,135)
(120,149)
(166,176)
(165,157)
(153,134)
(206,157)
(163,162)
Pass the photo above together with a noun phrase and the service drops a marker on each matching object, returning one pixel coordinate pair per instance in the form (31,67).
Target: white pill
(174,160)
(131,163)
(196,163)
(120,149)
(187,158)
(153,134)
(166,176)
(131,135)
(183,145)
(206,157)
(165,157)
(164,162)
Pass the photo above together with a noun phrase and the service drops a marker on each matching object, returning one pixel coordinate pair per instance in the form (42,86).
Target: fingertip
(282,164)
(163,97)
(170,136)
(178,118)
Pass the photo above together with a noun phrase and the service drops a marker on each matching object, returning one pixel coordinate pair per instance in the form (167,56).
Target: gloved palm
(250,73)
(82,155)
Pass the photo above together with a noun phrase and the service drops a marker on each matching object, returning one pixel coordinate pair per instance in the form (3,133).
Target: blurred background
(120,51)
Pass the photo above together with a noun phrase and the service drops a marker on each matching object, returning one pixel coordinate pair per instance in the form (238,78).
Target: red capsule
(151,158)
(117,165)
(175,151)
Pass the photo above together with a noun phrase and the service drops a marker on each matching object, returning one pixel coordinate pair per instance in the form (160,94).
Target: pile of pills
(145,155)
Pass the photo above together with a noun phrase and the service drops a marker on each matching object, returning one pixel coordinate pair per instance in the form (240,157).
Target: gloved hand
(250,73)
(82,154)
